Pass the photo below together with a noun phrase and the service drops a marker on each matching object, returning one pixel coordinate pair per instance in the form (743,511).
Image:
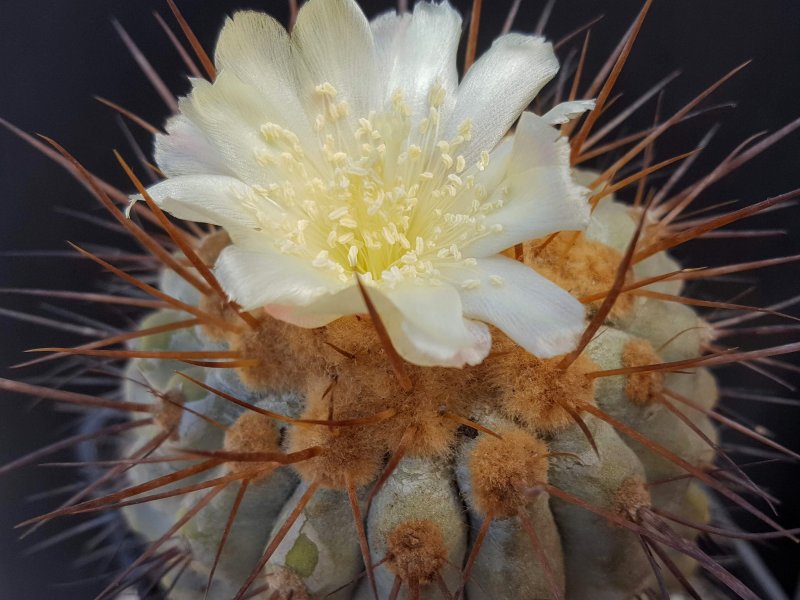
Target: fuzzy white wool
(350,149)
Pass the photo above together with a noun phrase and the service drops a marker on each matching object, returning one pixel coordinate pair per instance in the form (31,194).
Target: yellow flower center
(381,196)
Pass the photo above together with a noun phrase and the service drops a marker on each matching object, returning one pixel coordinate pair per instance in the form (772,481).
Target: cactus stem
(363,542)
(416,410)
(406,439)
(655,567)
(277,539)
(473,554)
(530,530)
(734,425)
(608,302)
(237,502)
(396,586)
(745,480)
(698,473)
(153,547)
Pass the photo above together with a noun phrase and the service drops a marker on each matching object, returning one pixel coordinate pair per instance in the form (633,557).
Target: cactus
(497,436)
(321,444)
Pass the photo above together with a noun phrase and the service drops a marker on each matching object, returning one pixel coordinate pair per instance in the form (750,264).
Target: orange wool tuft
(501,470)
(579,265)
(647,387)
(273,345)
(211,245)
(252,432)
(631,497)
(169,411)
(284,584)
(214,305)
(535,391)
(349,454)
(416,551)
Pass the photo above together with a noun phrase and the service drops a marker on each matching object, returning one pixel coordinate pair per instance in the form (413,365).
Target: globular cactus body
(419,536)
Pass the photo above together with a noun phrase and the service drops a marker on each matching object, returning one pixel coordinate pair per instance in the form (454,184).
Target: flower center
(381,196)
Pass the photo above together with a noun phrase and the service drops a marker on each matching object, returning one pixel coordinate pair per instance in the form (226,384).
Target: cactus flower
(349,150)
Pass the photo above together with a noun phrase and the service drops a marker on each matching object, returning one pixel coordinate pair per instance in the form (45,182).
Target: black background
(58,53)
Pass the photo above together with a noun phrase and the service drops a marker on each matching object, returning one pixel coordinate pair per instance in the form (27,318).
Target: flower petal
(215,199)
(427,328)
(566,111)
(186,150)
(256,278)
(255,48)
(332,43)
(232,115)
(424,322)
(539,193)
(534,312)
(417,50)
(498,87)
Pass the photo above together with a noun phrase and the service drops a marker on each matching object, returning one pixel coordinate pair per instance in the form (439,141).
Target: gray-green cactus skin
(590,558)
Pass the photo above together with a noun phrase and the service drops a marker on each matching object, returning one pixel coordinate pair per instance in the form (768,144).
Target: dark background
(58,53)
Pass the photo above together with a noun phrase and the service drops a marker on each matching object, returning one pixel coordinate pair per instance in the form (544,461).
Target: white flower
(351,149)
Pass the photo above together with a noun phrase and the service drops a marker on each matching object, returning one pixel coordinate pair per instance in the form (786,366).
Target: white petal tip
(131,203)
(566,111)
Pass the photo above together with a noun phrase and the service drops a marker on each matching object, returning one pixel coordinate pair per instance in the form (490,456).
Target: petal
(566,111)
(231,114)
(256,278)
(424,322)
(426,325)
(498,87)
(539,193)
(255,48)
(186,150)
(534,312)
(417,50)
(537,144)
(332,43)
(215,199)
